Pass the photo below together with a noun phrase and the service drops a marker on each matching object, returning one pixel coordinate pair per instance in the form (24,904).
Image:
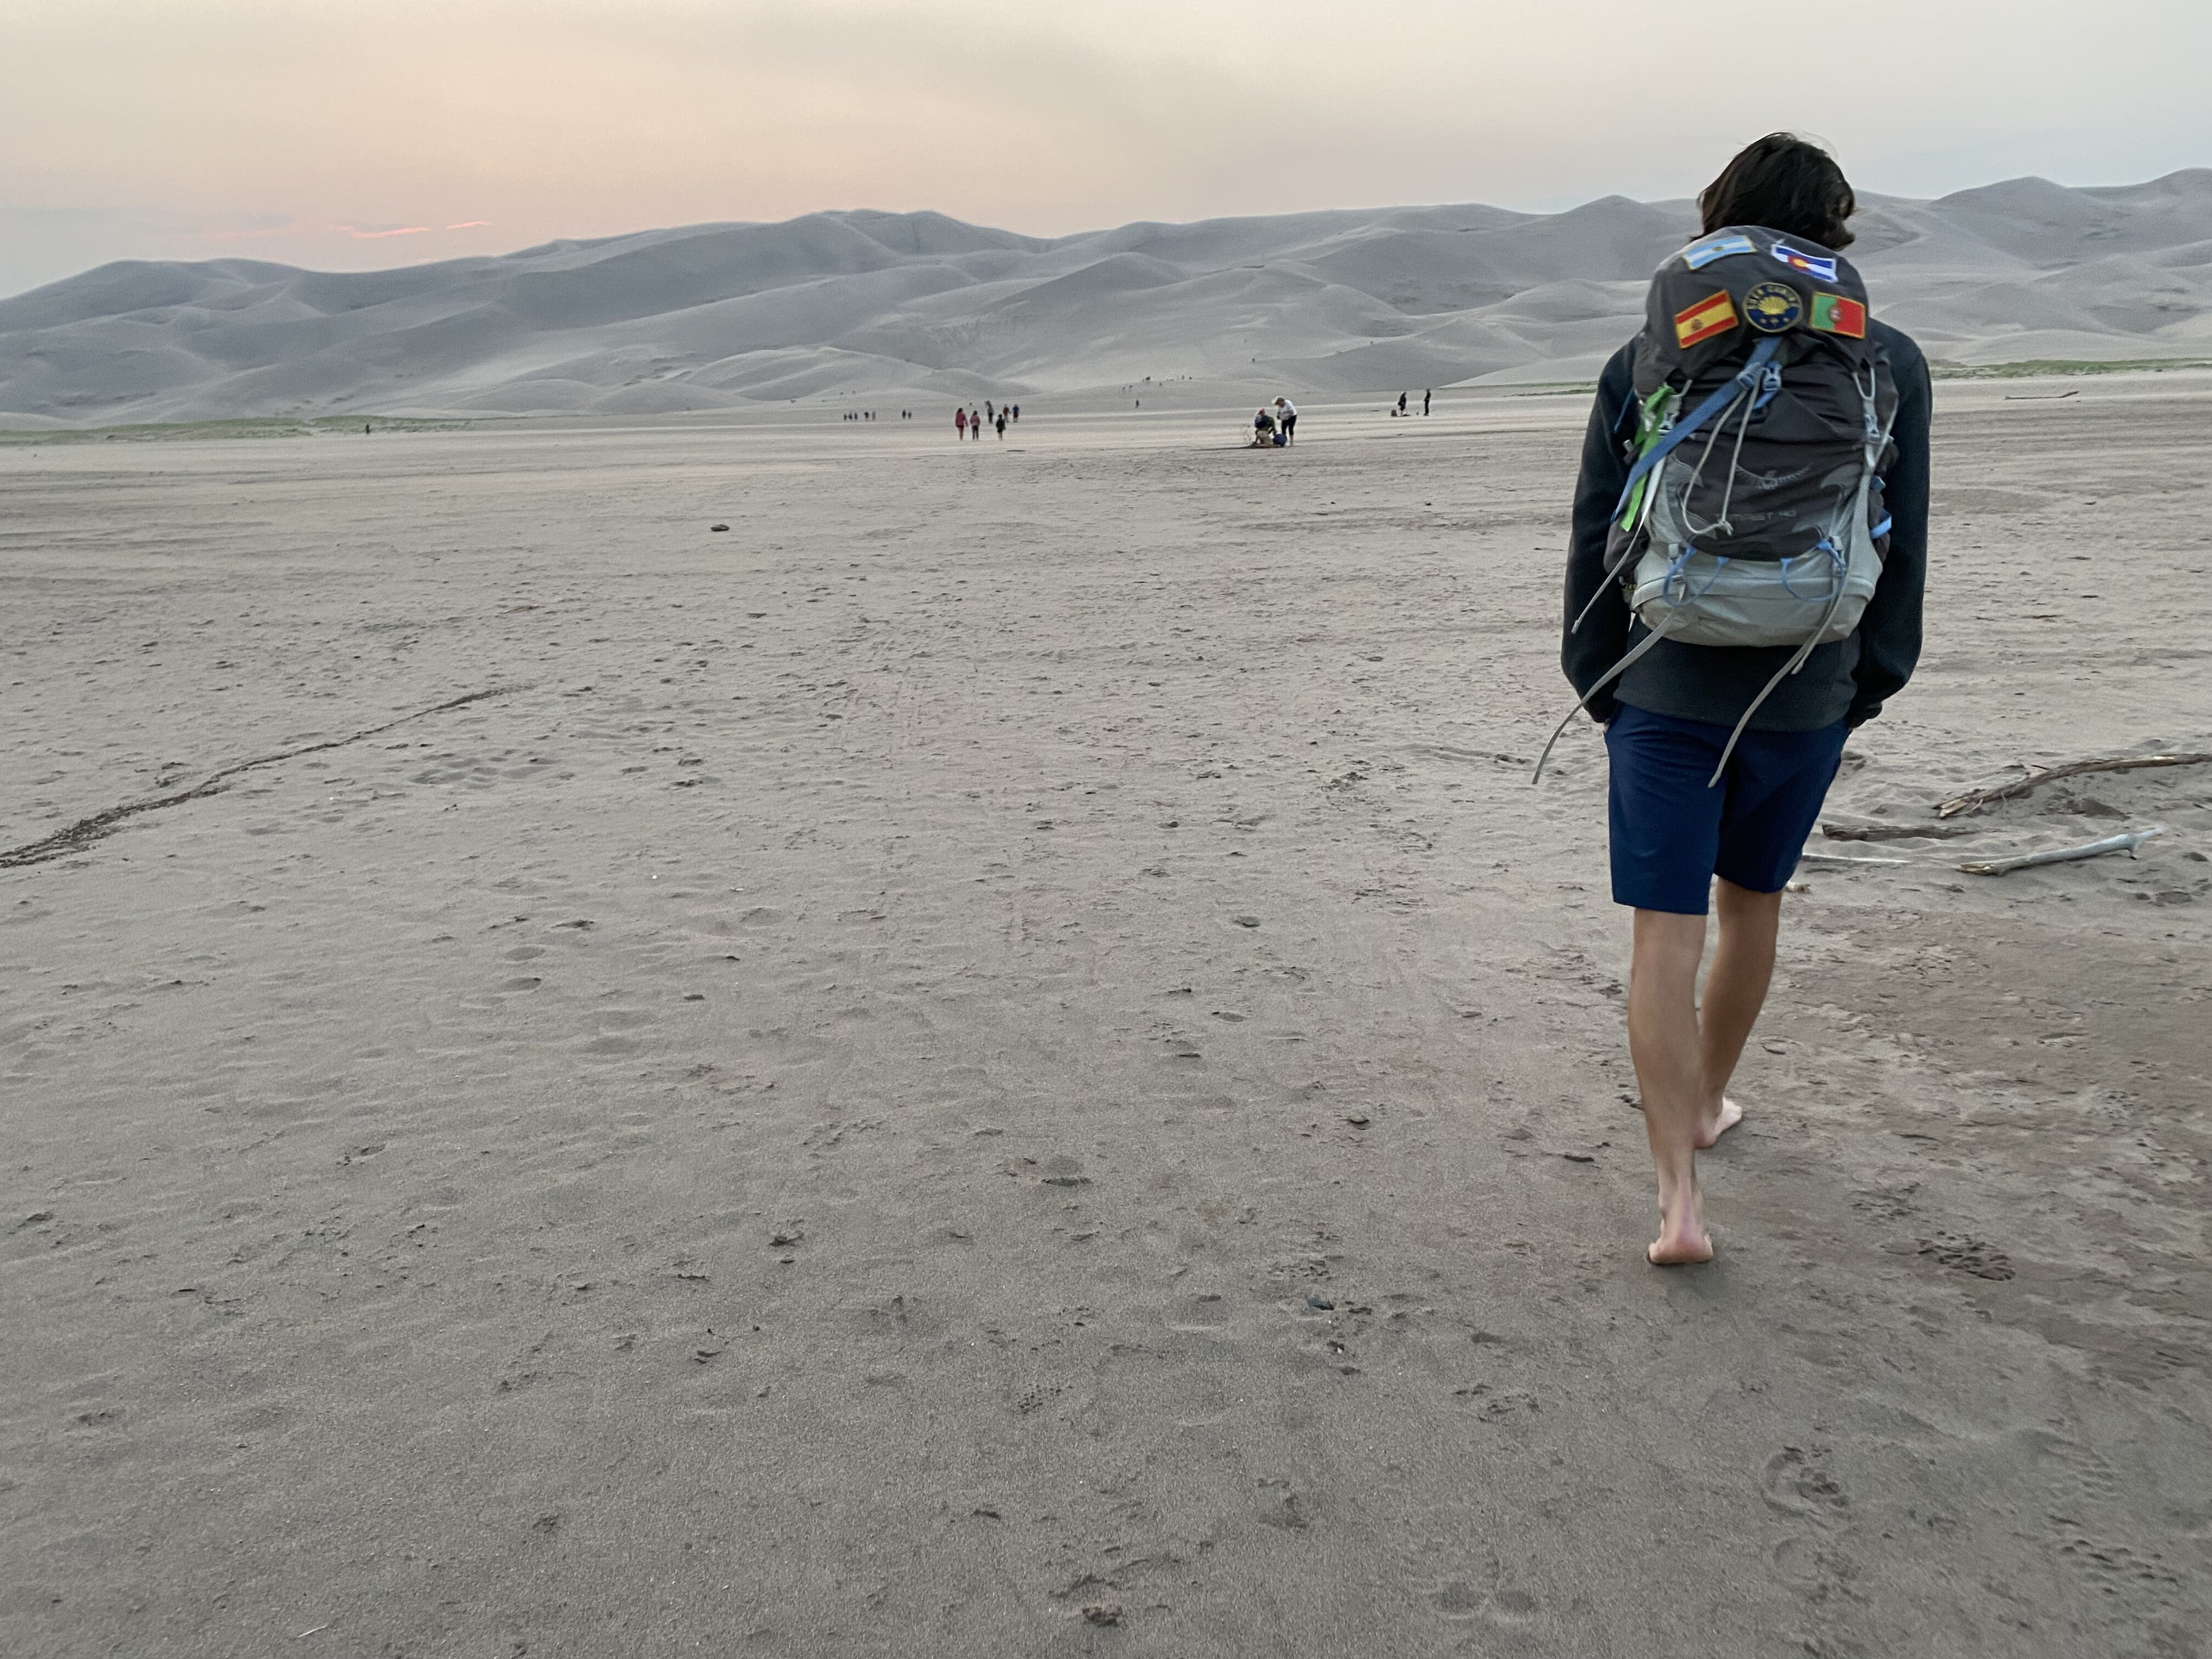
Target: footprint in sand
(1967,1254)
(1797,1481)
(1032,1398)
(1461,1598)
(1280,1504)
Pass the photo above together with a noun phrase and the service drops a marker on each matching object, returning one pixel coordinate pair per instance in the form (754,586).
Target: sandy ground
(1002,1061)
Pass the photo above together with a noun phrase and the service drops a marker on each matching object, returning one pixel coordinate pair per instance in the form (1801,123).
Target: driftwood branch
(1898,831)
(1974,800)
(2122,843)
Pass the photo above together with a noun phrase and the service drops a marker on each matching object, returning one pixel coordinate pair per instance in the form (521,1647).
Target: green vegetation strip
(174,431)
(2037,367)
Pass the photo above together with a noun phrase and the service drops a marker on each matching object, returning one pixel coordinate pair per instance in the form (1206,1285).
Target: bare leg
(1736,989)
(1664,1043)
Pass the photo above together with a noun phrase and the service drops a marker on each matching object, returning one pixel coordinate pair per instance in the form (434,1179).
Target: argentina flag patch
(1700,254)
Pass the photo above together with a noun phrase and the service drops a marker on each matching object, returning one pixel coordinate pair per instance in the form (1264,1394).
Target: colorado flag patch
(1708,316)
(1811,264)
(1833,315)
(1698,255)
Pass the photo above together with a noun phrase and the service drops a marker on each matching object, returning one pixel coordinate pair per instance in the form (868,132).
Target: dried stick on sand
(1898,831)
(1844,858)
(2122,843)
(1974,800)
(101,825)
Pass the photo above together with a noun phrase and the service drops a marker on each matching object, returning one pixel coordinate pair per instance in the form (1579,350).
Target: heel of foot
(1730,1115)
(1659,1253)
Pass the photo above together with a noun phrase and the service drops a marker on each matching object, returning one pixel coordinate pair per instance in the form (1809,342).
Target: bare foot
(1679,1251)
(1730,1115)
(1682,1237)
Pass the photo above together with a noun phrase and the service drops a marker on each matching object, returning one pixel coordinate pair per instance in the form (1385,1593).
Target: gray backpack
(1752,514)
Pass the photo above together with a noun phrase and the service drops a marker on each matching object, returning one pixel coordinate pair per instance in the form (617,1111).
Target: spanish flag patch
(1834,314)
(1701,321)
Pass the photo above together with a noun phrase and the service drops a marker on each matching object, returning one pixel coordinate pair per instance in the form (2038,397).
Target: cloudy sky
(358,133)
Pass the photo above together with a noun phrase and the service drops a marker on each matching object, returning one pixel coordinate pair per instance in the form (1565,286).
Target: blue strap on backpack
(1754,367)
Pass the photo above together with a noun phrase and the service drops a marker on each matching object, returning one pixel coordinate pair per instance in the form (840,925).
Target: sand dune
(917,305)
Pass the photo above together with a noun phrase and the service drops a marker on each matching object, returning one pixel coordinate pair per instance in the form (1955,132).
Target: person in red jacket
(960,422)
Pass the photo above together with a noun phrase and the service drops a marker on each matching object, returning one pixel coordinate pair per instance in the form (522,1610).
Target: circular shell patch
(1773,307)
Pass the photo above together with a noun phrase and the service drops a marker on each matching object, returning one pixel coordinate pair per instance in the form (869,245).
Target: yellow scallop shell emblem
(1773,307)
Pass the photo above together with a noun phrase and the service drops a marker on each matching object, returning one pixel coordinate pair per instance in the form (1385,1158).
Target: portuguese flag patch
(1711,316)
(1834,314)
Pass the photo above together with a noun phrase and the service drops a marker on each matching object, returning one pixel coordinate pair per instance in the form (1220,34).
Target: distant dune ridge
(916,306)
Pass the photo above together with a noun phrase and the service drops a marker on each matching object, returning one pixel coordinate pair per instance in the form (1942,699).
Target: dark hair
(1787,184)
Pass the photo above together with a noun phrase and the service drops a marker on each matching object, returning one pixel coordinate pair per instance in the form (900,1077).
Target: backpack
(1753,513)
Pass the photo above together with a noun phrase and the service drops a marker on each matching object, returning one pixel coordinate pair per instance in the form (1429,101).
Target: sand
(892,310)
(1001,1059)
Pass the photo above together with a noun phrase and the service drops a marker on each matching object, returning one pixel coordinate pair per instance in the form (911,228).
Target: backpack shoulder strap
(1753,368)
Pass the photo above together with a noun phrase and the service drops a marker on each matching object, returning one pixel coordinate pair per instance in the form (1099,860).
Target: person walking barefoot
(1679,847)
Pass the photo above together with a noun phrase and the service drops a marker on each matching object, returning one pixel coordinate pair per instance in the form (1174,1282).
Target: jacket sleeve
(1587,653)
(1889,632)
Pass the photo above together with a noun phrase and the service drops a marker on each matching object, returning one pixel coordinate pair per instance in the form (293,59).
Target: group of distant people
(969,422)
(870,415)
(1276,427)
(1403,398)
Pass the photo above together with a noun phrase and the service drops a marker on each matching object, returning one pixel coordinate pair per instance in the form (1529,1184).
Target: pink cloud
(358,232)
(285,229)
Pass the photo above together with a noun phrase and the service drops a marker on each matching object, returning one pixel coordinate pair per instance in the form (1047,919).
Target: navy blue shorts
(1671,835)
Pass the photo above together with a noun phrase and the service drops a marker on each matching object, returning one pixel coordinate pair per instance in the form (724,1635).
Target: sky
(356,134)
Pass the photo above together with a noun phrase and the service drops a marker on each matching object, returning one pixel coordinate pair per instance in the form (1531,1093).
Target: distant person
(1424,403)
(1002,426)
(974,425)
(1402,403)
(988,414)
(1688,813)
(1263,429)
(960,422)
(1018,414)
(1286,420)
